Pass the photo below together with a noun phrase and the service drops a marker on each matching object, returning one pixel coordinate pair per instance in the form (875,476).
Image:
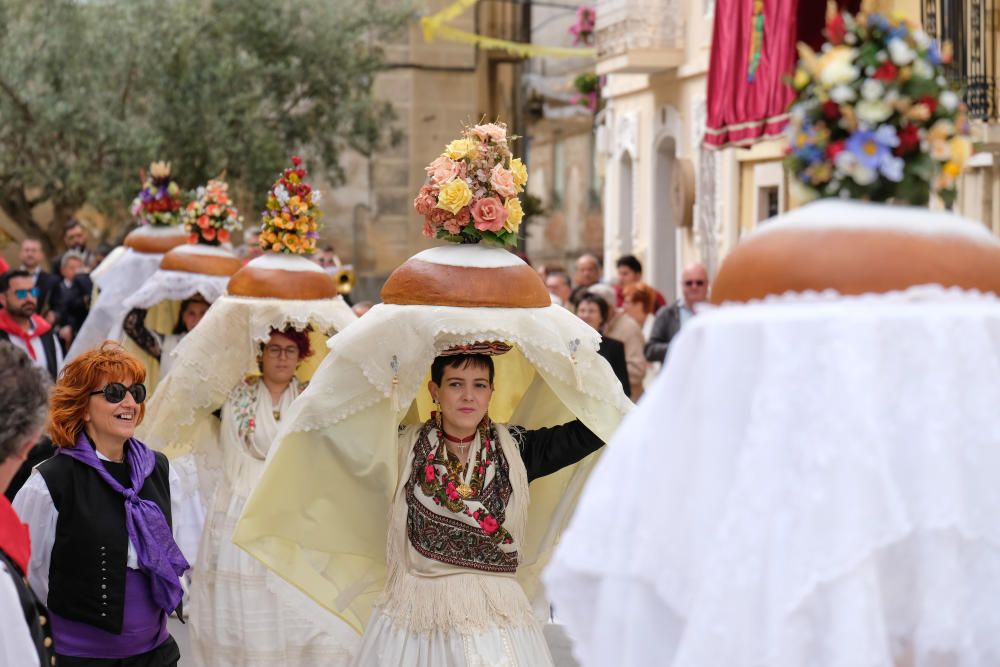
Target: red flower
(208,234)
(301,173)
(489,525)
(450,490)
(834,149)
(223,235)
(482,470)
(886,71)
(429,473)
(930,101)
(475,515)
(831,110)
(430,457)
(192,238)
(909,139)
(835,29)
(296,160)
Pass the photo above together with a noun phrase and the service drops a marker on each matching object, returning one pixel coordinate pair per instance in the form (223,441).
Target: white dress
(437,615)
(241,615)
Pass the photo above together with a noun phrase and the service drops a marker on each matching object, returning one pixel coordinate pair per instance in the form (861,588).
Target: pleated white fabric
(812,481)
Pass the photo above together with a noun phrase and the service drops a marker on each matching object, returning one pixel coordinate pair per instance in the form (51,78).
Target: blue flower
(873,150)
(934,54)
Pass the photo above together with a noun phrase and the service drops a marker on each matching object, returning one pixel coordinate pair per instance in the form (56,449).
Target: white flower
(900,52)
(850,38)
(836,66)
(948,100)
(871,89)
(843,94)
(848,164)
(281,194)
(316,196)
(873,112)
(922,69)
(922,39)
(881,56)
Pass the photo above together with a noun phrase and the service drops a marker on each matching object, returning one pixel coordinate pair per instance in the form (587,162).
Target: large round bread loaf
(198,258)
(859,248)
(155,240)
(282,276)
(470,276)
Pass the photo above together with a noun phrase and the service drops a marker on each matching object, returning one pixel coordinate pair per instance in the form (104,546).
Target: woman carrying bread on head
(99,511)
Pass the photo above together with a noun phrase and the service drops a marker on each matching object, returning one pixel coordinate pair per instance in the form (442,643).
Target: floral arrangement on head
(291,220)
(874,117)
(211,217)
(583,29)
(472,193)
(159,202)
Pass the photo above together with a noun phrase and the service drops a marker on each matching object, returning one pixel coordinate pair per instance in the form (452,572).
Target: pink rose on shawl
(429,231)
(502,181)
(442,170)
(489,214)
(429,473)
(489,525)
(451,491)
(426,200)
(492,132)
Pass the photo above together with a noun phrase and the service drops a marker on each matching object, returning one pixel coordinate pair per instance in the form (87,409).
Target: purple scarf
(148,531)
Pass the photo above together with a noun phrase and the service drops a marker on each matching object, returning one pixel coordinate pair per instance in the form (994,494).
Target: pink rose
(451,491)
(429,473)
(491,131)
(489,214)
(429,230)
(426,200)
(489,525)
(442,170)
(502,181)
(453,226)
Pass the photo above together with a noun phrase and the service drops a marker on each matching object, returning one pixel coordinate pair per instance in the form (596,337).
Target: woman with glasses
(103,551)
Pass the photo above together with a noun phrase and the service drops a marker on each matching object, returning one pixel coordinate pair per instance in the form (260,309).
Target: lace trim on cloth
(167,285)
(135,328)
(915,294)
(456,539)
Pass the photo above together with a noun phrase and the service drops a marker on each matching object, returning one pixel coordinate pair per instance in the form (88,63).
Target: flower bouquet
(874,116)
(211,217)
(290,223)
(472,193)
(159,202)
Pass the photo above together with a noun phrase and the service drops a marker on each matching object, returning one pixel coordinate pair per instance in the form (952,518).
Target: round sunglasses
(114,392)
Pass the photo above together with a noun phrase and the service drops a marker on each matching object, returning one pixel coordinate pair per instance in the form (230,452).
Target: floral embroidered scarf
(460,532)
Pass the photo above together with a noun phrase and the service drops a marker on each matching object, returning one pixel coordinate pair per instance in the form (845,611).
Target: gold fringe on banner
(434,27)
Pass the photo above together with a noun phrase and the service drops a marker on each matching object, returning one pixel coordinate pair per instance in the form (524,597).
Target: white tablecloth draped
(812,481)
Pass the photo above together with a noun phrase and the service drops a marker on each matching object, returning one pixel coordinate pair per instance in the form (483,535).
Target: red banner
(753,53)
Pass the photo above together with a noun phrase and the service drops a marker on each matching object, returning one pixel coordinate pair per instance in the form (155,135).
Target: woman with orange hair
(99,511)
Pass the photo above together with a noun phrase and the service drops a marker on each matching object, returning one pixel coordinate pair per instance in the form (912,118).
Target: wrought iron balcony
(639,36)
(973,28)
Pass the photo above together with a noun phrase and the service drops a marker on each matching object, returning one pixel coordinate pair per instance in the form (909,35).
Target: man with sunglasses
(22,326)
(694,285)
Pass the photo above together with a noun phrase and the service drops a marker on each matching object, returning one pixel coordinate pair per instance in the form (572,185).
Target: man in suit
(75,238)
(23,326)
(694,285)
(32,258)
(71,297)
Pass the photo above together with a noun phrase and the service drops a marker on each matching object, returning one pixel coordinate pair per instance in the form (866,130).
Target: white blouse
(16,645)
(33,503)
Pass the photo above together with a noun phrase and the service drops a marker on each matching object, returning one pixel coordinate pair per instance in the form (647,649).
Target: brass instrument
(345,279)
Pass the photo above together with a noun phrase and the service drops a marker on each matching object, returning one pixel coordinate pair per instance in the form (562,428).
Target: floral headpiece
(211,217)
(472,191)
(291,220)
(159,202)
(874,117)
(488,348)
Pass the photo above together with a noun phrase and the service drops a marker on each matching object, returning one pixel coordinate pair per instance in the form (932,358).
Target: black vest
(35,614)
(87,570)
(49,345)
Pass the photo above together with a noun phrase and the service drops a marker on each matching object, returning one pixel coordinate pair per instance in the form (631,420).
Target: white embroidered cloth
(812,480)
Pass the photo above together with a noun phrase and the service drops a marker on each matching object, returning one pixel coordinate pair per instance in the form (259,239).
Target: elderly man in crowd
(24,627)
(694,285)
(558,283)
(588,271)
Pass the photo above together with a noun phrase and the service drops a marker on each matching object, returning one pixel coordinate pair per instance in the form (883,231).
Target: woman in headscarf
(99,511)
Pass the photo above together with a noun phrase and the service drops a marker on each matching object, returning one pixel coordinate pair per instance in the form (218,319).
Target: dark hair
(601,304)
(631,261)
(327,248)
(460,361)
(24,394)
(578,293)
(300,338)
(181,327)
(9,276)
(72,223)
(560,273)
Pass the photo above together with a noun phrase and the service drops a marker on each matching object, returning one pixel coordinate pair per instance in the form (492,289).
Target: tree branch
(18,102)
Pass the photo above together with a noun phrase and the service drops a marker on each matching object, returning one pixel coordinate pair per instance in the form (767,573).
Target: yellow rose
(460,148)
(520,173)
(514,214)
(951,169)
(801,79)
(454,196)
(961,150)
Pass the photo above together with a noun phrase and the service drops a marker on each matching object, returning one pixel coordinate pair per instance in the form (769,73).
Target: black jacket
(614,351)
(665,326)
(72,303)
